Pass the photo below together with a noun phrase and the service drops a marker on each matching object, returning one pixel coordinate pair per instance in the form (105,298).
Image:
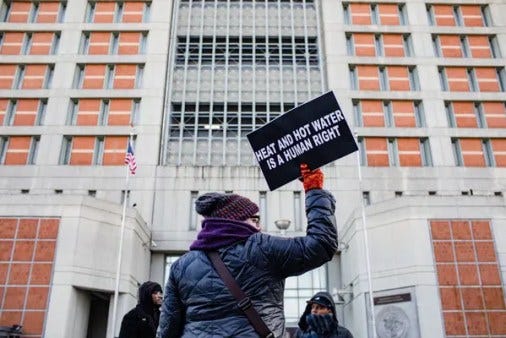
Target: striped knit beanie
(229,206)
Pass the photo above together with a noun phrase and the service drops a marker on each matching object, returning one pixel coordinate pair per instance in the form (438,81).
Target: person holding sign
(201,302)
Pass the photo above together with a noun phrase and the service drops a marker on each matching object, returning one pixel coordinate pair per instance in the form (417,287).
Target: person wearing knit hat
(142,321)
(197,302)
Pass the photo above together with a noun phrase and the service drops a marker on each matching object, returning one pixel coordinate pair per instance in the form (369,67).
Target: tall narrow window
(471,77)
(73,111)
(436,43)
(375,20)
(104,113)
(366,197)
(457,153)
(79,76)
(85,43)
(457,15)
(480,117)
(61,11)
(425,152)
(346,11)
(442,79)
(119,12)
(357,114)
(413,79)
(389,117)
(143,42)
(34,12)
(20,74)
(297,211)
(450,116)
(34,147)
(430,15)
(193,213)
(383,79)
(378,43)
(109,75)
(408,45)
(262,205)
(134,120)
(349,45)
(5,9)
(465,47)
(353,78)
(55,44)
(419,114)
(494,47)
(501,77)
(98,154)
(9,114)
(362,152)
(90,11)
(114,43)
(138,76)
(41,112)
(403,15)
(27,42)
(66,150)
(49,76)
(488,153)
(393,154)
(125,196)
(485,13)
(147,12)
(3,148)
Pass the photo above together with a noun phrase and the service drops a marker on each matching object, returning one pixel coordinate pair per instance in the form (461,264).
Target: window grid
(237,65)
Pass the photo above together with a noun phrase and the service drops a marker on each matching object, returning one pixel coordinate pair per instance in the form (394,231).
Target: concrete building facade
(421,83)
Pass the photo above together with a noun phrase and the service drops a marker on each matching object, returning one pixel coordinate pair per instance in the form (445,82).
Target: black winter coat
(142,320)
(198,304)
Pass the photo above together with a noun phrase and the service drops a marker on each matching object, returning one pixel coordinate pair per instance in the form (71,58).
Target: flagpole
(120,249)
(366,245)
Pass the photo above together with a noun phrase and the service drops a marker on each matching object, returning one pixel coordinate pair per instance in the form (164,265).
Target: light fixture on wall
(342,296)
(342,246)
(282,225)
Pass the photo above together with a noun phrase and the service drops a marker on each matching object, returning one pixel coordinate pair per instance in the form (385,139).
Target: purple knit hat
(229,206)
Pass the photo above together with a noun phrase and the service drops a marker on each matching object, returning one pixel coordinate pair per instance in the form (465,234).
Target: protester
(197,302)
(142,320)
(319,319)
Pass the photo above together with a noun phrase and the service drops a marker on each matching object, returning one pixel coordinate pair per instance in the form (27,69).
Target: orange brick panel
(481,230)
(497,320)
(479,45)
(8,228)
(495,114)
(471,16)
(99,43)
(44,251)
(20,11)
(450,298)
(119,112)
(124,76)
(377,153)
(464,114)
(372,113)
(360,14)
(461,230)
(4,267)
(443,15)
(499,148)
(37,298)
(89,110)
(457,79)
(6,250)
(49,228)
(17,151)
(14,297)
(19,273)
(26,112)
(12,43)
(368,78)
(472,152)
(389,14)
(33,322)
(476,323)
(82,150)
(41,43)
(104,12)
(398,78)
(489,274)
(440,230)
(393,45)
(34,76)
(7,73)
(487,79)
(8,317)
(4,104)
(23,250)
(468,274)
(404,113)
(129,43)
(27,228)
(454,323)
(364,44)
(114,150)
(494,298)
(485,251)
(41,273)
(464,251)
(450,46)
(133,11)
(94,75)
(48,12)
(409,152)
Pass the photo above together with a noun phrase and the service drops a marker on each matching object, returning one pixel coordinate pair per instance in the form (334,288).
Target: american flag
(130,159)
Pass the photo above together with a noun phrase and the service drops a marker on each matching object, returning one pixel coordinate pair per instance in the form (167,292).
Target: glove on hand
(311,179)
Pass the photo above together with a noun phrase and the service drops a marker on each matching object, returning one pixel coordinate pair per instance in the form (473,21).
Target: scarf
(220,232)
(320,326)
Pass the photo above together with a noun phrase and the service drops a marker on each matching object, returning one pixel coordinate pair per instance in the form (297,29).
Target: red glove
(312,179)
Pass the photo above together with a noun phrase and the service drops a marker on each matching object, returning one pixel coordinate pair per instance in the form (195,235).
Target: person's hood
(145,298)
(323,298)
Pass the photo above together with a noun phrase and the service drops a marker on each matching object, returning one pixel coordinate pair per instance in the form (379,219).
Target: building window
(357,114)
(501,77)
(480,116)
(34,147)
(362,152)
(169,260)
(413,79)
(34,12)
(457,153)
(300,288)
(104,113)
(193,213)
(20,74)
(119,12)
(419,114)
(9,113)
(3,148)
(114,43)
(66,150)
(378,43)
(471,77)
(85,43)
(375,19)
(494,47)
(346,11)
(425,152)
(98,154)
(464,44)
(450,116)
(393,154)
(353,78)
(366,198)
(350,45)
(26,44)
(143,42)
(90,12)
(383,79)
(485,13)
(297,210)
(109,75)
(408,45)
(442,79)
(389,117)
(436,43)
(457,15)
(403,14)
(488,153)
(262,204)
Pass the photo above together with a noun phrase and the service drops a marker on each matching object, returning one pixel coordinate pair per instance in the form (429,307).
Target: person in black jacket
(142,320)
(198,304)
(319,319)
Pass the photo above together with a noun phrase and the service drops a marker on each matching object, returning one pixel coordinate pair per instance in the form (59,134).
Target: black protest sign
(315,133)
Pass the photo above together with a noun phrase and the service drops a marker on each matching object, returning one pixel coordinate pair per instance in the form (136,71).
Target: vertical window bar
(139,75)
(85,43)
(436,42)
(393,153)
(350,45)
(119,12)
(73,111)
(452,123)
(374,15)
(5,9)
(357,114)
(471,77)
(109,76)
(79,76)
(61,11)
(34,147)
(413,79)
(353,78)
(90,12)
(494,47)
(147,12)
(98,154)
(41,112)
(55,43)
(480,117)
(419,114)
(408,46)
(104,113)
(113,49)
(403,15)
(19,77)
(34,12)
(387,111)
(457,16)
(442,79)
(383,79)
(430,15)
(488,153)
(457,153)
(378,44)
(485,13)
(3,148)
(27,44)
(134,119)
(49,76)
(193,221)
(425,152)
(362,151)
(66,150)
(143,42)
(11,111)
(347,16)
(501,77)
(465,46)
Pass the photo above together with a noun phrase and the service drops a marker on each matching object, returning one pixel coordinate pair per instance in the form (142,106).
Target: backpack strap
(243,301)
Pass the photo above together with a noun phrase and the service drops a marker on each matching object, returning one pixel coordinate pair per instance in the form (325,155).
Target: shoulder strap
(243,301)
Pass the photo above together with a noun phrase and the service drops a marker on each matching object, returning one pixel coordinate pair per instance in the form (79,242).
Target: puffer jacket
(198,304)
